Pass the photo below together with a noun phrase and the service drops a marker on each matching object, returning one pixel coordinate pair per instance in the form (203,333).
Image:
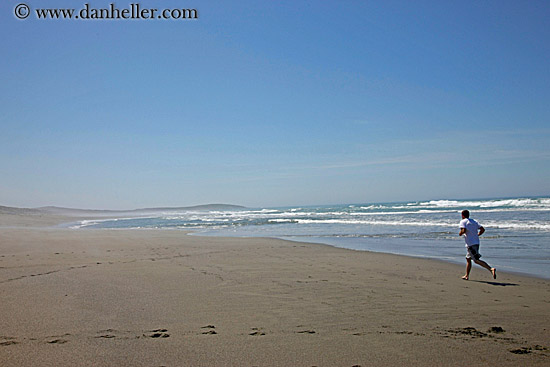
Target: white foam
(541,203)
(531,225)
(373,222)
(519,225)
(405,214)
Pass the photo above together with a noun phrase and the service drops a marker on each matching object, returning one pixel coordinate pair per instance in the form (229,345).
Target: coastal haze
(112,213)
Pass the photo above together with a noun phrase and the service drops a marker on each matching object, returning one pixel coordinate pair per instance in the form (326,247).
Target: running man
(469,229)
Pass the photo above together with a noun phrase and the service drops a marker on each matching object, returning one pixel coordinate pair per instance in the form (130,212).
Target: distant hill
(107,213)
(18,211)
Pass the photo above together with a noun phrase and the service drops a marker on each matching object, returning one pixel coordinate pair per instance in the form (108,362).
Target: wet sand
(165,298)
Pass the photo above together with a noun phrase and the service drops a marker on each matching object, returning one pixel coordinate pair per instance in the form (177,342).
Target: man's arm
(481,231)
(462,231)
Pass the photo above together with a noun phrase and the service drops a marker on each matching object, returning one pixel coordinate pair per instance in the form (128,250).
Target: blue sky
(276,103)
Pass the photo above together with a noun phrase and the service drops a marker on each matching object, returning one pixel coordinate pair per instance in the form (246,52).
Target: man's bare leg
(468,268)
(488,267)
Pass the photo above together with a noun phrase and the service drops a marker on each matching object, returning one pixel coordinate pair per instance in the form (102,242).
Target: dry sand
(164,298)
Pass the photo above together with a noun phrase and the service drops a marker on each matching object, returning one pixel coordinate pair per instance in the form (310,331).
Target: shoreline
(420,257)
(156,297)
(508,245)
(63,222)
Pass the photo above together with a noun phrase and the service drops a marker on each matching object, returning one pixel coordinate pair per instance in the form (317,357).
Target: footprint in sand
(304,331)
(157,333)
(117,334)
(7,340)
(211,330)
(58,339)
(256,332)
(107,334)
(528,350)
(468,331)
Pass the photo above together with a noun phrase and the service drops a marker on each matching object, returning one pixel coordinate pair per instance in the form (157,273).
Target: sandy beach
(165,298)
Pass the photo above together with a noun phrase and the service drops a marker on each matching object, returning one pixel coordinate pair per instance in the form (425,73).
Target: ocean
(517,237)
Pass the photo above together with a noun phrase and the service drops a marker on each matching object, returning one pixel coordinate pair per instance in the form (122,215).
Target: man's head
(465,214)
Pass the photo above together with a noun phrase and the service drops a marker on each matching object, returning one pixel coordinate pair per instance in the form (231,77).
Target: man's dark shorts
(473,252)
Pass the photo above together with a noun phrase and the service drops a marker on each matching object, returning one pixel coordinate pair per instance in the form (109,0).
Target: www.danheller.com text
(133,11)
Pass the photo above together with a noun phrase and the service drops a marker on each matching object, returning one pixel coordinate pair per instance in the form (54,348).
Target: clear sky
(274,103)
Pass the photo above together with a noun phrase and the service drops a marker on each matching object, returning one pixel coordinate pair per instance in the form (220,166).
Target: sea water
(517,237)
